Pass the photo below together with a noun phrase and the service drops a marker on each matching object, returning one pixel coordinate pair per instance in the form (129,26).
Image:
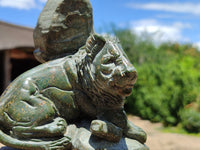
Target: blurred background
(161,39)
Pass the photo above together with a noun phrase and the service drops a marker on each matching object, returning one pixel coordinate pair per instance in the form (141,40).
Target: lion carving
(93,82)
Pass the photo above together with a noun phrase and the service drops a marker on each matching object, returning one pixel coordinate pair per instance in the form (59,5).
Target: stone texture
(62,28)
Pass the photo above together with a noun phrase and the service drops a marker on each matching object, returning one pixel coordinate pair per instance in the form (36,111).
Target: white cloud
(159,31)
(20,4)
(192,8)
(197,45)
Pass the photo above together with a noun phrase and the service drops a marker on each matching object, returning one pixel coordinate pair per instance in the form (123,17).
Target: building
(16,52)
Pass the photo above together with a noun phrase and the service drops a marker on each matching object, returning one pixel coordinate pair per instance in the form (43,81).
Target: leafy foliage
(168,80)
(191,120)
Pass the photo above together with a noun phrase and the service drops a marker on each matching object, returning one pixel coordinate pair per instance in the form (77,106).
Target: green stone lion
(36,107)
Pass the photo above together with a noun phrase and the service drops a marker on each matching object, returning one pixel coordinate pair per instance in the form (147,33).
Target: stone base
(83,140)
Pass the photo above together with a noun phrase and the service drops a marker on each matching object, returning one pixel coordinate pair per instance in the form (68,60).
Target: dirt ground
(157,140)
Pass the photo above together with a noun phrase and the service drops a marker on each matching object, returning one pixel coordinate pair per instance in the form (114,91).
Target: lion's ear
(94,44)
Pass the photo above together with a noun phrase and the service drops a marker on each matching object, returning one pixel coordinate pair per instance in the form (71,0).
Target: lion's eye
(109,60)
(119,60)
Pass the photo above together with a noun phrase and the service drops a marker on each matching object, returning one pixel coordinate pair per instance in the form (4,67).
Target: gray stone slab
(83,140)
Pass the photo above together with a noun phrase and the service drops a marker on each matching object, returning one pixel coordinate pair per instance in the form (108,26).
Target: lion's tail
(15,143)
(27,144)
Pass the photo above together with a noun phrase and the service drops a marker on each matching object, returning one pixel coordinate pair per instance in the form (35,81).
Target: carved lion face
(111,67)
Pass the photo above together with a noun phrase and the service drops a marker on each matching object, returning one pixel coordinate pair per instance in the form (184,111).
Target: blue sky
(171,20)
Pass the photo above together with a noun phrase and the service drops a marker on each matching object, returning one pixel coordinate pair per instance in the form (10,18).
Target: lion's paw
(61,144)
(106,130)
(135,132)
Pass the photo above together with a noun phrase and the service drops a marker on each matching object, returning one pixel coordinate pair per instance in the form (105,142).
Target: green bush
(191,120)
(168,78)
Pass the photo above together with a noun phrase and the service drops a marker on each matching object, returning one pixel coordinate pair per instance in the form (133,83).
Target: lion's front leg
(106,130)
(119,119)
(135,132)
(129,129)
(109,126)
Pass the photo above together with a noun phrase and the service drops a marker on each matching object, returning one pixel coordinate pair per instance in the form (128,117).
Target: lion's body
(22,101)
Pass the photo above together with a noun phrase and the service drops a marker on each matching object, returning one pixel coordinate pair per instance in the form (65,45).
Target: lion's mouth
(124,90)
(127,89)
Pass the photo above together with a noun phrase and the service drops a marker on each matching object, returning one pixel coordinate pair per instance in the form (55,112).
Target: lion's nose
(130,72)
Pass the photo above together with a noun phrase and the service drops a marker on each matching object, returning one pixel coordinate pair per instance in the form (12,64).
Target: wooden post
(7,68)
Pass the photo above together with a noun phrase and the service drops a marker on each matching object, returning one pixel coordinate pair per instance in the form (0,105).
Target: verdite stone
(75,100)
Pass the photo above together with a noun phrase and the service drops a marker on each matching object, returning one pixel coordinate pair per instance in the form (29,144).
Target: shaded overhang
(14,36)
